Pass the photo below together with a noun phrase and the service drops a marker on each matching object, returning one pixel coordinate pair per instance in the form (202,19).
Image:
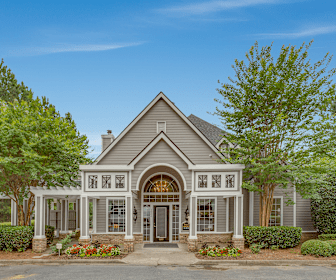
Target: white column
(294,208)
(13,213)
(251,207)
(129,217)
(227,213)
(64,215)
(193,217)
(39,227)
(67,215)
(238,217)
(94,215)
(77,213)
(84,223)
(47,212)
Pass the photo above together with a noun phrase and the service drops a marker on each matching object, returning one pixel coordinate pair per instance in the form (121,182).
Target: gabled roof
(213,133)
(170,143)
(149,106)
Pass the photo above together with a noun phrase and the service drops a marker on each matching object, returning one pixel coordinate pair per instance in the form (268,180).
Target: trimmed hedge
(323,210)
(16,237)
(332,243)
(317,248)
(281,236)
(327,237)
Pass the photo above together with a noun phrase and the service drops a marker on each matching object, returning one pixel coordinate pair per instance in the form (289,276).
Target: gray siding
(101,215)
(221,215)
(145,130)
(287,209)
(137,204)
(161,153)
(303,214)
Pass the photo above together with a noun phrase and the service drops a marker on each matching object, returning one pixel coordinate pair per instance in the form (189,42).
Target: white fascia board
(56,192)
(217,167)
(223,194)
(105,168)
(161,136)
(149,106)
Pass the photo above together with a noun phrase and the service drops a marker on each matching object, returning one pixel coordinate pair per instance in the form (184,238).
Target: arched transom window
(161,183)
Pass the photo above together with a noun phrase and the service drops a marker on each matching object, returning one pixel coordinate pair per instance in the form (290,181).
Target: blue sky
(104,61)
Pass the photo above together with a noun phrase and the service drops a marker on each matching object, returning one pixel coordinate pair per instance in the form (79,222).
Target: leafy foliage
(10,89)
(91,251)
(323,210)
(5,210)
(325,237)
(65,241)
(278,121)
(255,248)
(317,248)
(281,236)
(220,252)
(16,237)
(49,233)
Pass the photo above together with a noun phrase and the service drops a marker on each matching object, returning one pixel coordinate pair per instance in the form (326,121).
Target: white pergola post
(85,219)
(47,212)
(13,213)
(64,215)
(129,217)
(39,227)
(238,237)
(94,215)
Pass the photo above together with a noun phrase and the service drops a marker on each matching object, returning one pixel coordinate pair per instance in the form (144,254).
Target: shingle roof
(213,133)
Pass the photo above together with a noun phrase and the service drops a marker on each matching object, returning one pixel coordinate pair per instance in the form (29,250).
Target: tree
(10,89)
(277,115)
(38,147)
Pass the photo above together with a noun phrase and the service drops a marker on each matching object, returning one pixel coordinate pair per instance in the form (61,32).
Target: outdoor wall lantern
(135,214)
(186,213)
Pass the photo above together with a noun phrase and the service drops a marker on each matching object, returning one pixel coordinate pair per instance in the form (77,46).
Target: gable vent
(161,126)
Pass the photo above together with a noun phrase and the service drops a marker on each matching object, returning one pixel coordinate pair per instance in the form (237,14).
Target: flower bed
(217,252)
(88,251)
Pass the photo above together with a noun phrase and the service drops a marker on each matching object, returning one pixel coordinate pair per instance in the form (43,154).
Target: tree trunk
(30,207)
(265,205)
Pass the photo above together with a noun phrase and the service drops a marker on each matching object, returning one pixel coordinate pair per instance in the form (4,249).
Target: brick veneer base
(129,245)
(39,245)
(238,242)
(84,241)
(192,245)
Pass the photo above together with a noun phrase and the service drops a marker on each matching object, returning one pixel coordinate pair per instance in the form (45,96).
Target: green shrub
(323,210)
(64,243)
(16,237)
(255,248)
(332,243)
(274,247)
(281,236)
(5,224)
(327,237)
(49,233)
(316,248)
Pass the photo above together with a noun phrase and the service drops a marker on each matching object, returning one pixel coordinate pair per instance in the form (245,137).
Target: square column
(238,238)
(129,239)
(64,216)
(84,221)
(39,240)
(94,215)
(14,218)
(192,240)
(47,212)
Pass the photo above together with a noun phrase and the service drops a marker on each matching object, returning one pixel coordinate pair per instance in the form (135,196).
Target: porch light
(135,214)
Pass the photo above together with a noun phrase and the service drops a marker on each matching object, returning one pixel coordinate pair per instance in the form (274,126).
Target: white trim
(294,208)
(105,167)
(157,126)
(216,214)
(149,106)
(222,188)
(107,213)
(280,196)
(162,164)
(100,188)
(227,213)
(161,136)
(251,208)
(215,167)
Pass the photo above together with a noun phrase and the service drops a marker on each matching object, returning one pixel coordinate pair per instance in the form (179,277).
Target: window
(106,182)
(206,214)
(229,181)
(202,181)
(116,215)
(120,181)
(161,126)
(93,180)
(276,213)
(216,181)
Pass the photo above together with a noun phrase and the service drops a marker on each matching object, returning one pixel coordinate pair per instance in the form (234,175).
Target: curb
(266,262)
(74,261)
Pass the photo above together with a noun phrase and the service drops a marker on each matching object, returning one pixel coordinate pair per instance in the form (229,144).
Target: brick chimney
(107,139)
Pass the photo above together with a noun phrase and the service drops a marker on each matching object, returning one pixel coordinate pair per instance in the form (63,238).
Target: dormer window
(161,126)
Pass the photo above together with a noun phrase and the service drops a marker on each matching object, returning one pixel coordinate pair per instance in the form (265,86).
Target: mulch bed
(268,254)
(66,257)
(14,255)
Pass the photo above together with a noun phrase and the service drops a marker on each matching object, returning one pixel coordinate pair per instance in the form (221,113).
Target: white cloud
(70,48)
(305,32)
(214,6)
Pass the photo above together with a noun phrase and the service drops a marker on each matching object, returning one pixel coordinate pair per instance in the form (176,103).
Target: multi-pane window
(116,215)
(275,218)
(120,181)
(216,181)
(175,222)
(206,214)
(146,222)
(202,181)
(161,198)
(229,181)
(93,181)
(106,181)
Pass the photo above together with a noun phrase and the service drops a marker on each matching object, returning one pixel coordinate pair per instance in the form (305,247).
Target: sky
(104,61)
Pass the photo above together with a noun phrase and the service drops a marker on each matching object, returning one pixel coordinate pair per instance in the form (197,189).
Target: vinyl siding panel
(144,131)
(303,214)
(221,215)
(101,215)
(137,225)
(161,153)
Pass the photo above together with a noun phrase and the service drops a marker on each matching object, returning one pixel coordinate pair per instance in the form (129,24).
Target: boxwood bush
(317,248)
(281,236)
(327,237)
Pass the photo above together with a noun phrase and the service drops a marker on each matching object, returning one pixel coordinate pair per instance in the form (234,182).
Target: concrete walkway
(161,256)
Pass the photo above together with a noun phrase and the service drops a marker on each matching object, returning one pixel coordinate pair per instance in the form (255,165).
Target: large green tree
(277,114)
(38,147)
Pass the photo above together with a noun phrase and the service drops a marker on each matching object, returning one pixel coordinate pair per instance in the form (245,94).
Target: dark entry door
(161,224)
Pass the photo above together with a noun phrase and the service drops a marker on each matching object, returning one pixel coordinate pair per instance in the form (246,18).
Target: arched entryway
(161,197)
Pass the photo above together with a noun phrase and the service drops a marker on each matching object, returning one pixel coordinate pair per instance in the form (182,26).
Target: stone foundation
(192,245)
(39,245)
(238,242)
(184,238)
(84,241)
(113,239)
(129,245)
(138,238)
(214,239)
(308,235)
